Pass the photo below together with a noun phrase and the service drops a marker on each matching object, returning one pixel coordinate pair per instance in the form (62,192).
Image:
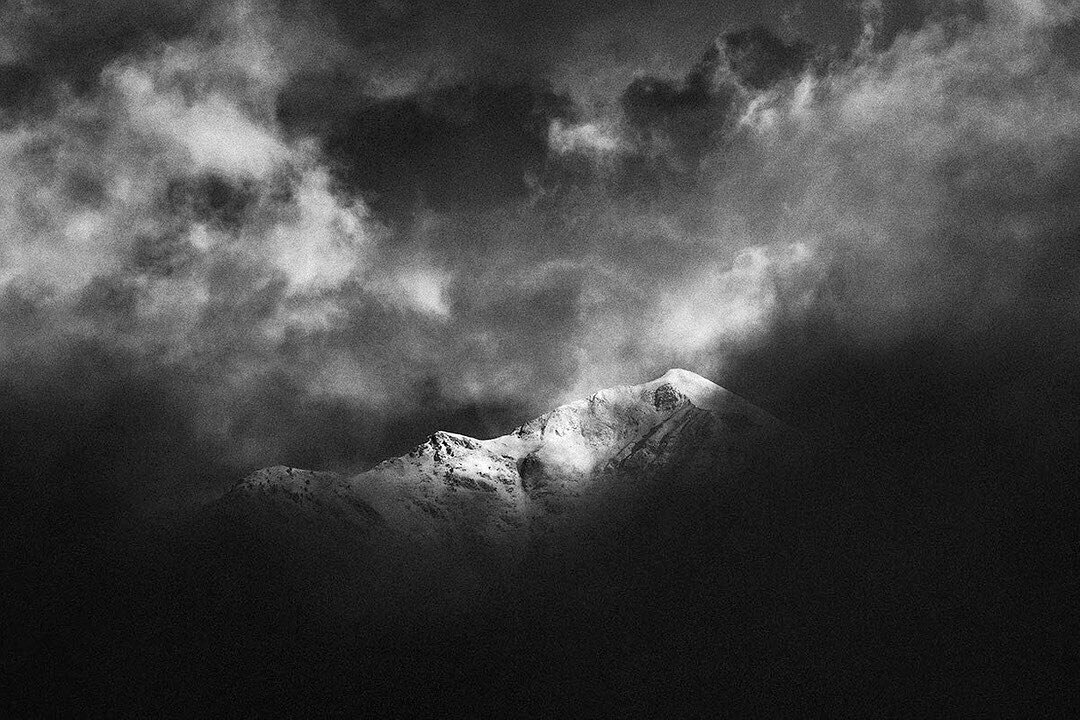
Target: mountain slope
(500,492)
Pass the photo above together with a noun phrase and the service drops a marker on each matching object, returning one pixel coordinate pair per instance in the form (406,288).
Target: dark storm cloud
(485,141)
(411,41)
(687,120)
(401,45)
(760,59)
(73,41)
(516,35)
(19,86)
(689,116)
(456,147)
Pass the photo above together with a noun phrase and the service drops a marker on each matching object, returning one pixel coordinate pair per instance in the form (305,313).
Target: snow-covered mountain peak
(612,441)
(689,384)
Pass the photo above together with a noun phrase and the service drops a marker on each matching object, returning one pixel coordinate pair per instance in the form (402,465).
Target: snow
(499,490)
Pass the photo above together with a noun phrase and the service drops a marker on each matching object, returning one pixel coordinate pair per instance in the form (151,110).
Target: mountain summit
(614,444)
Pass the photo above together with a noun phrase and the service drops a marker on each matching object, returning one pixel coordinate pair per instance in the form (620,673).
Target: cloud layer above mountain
(236,234)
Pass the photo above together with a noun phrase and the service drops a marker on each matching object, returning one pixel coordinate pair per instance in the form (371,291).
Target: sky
(236,234)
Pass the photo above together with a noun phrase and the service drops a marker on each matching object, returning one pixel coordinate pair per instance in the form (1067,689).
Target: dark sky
(237,234)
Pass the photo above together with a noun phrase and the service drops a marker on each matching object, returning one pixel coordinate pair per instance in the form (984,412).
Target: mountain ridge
(502,490)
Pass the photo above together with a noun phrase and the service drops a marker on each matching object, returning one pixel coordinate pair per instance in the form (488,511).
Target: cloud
(163,219)
(933,182)
(473,144)
(586,138)
(298,250)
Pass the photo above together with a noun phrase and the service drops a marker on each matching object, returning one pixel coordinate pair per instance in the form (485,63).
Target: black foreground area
(839,584)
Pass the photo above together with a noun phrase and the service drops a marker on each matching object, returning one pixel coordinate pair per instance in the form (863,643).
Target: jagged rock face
(503,490)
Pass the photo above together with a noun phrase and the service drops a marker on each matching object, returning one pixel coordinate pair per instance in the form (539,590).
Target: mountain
(540,477)
(658,550)
(622,539)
